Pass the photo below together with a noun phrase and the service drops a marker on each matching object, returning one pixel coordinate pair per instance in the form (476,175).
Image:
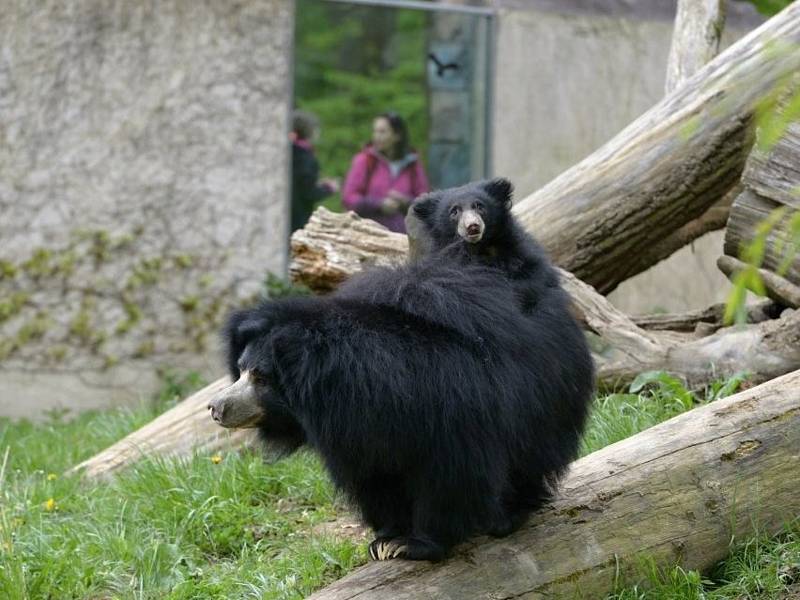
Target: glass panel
(354,61)
(458,97)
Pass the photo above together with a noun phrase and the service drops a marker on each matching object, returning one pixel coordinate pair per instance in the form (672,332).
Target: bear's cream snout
(236,406)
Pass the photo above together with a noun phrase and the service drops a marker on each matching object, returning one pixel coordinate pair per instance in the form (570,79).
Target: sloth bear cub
(475,222)
(436,405)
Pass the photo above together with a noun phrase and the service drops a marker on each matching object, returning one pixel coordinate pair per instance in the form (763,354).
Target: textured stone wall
(569,76)
(143,173)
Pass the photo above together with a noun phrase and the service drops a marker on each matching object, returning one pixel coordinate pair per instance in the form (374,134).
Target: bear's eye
(479,206)
(259,378)
(454,210)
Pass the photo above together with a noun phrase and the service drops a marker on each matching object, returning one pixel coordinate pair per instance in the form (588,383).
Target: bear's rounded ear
(501,189)
(425,206)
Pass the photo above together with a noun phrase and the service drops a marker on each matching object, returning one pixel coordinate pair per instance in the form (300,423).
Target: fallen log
(779,289)
(677,493)
(183,429)
(709,319)
(334,246)
(695,41)
(667,168)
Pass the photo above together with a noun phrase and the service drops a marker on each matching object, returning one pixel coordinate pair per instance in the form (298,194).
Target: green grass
(240,528)
(761,567)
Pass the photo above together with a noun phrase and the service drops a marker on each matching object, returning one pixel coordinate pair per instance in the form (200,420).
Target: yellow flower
(50,505)
(216,459)
(52,477)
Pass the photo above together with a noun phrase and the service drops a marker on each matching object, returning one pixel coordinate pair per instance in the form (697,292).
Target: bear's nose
(473,229)
(216,410)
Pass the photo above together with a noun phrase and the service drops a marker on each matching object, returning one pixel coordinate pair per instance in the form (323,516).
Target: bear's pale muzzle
(236,406)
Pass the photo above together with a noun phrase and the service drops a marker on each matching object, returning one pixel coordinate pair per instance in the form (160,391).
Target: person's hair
(304,124)
(399,127)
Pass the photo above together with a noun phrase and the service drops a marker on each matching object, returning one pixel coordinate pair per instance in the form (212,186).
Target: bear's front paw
(387,548)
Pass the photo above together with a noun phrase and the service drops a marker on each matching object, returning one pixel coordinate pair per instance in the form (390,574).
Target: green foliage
(778,109)
(653,397)
(753,254)
(726,387)
(353,63)
(674,583)
(666,384)
(277,287)
(760,567)
(12,305)
(230,527)
(175,386)
(774,114)
(7,270)
(39,264)
(771,7)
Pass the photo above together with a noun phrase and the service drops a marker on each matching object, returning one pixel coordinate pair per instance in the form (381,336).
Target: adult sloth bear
(436,404)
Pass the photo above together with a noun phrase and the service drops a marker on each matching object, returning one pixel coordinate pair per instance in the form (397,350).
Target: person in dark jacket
(307,188)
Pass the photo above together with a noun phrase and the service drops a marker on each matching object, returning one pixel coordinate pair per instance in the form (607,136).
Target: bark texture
(779,289)
(771,183)
(695,39)
(334,246)
(668,167)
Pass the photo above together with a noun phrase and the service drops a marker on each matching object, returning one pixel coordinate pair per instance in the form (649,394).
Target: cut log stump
(771,183)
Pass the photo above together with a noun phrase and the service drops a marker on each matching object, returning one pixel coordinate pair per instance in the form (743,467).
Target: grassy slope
(237,528)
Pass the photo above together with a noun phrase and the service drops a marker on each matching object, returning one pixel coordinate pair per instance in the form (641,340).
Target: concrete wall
(570,74)
(143,173)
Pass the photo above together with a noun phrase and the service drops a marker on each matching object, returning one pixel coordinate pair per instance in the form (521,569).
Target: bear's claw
(387,549)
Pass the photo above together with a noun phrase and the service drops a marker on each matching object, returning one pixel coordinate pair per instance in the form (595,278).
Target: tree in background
(352,63)
(770,7)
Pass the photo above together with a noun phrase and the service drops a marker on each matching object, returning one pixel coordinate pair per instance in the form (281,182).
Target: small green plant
(12,305)
(753,254)
(7,270)
(666,384)
(39,265)
(176,385)
(277,287)
(771,7)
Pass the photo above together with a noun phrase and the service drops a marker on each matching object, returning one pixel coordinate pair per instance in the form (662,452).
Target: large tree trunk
(598,218)
(695,39)
(678,492)
(334,246)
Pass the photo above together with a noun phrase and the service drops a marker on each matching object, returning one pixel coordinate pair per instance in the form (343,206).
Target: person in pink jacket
(386,176)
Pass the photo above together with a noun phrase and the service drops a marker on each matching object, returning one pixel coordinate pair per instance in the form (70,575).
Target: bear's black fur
(436,404)
(503,243)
